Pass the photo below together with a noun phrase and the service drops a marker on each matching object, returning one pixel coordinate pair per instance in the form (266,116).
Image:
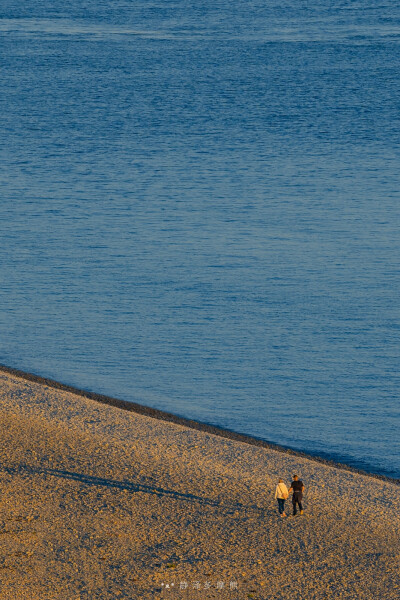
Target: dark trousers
(296,499)
(281,505)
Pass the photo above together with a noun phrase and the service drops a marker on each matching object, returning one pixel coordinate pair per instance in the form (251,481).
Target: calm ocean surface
(200,211)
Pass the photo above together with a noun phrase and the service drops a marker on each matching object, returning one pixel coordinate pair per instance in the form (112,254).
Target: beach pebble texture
(101,503)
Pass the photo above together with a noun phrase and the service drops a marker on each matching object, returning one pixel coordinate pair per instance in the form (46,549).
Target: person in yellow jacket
(281,494)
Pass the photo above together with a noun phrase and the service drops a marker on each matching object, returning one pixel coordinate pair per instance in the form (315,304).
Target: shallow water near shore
(200,213)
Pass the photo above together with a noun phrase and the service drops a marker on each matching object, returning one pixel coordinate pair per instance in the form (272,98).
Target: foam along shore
(102,503)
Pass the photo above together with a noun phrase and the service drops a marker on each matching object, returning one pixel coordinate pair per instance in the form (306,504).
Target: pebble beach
(102,503)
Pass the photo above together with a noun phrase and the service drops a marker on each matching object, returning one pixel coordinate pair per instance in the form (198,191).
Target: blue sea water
(200,211)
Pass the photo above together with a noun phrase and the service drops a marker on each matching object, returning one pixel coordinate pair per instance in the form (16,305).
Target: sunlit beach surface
(98,502)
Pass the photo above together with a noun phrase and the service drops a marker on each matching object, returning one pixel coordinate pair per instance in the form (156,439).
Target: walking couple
(282,494)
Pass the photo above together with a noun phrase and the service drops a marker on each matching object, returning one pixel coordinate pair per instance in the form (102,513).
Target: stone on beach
(97,502)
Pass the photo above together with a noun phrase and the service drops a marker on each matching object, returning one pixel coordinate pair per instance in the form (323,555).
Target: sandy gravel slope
(102,504)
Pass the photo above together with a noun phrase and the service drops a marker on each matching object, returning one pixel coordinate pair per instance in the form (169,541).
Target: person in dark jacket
(297,487)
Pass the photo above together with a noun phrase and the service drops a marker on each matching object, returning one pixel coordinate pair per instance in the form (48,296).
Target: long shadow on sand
(111,483)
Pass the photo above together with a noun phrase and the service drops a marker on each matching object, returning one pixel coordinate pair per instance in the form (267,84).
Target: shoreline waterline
(186,422)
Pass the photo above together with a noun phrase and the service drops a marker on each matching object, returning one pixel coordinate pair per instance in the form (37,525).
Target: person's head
(280,481)
(295,477)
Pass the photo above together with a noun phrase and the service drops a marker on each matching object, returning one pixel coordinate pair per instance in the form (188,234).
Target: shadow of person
(130,486)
